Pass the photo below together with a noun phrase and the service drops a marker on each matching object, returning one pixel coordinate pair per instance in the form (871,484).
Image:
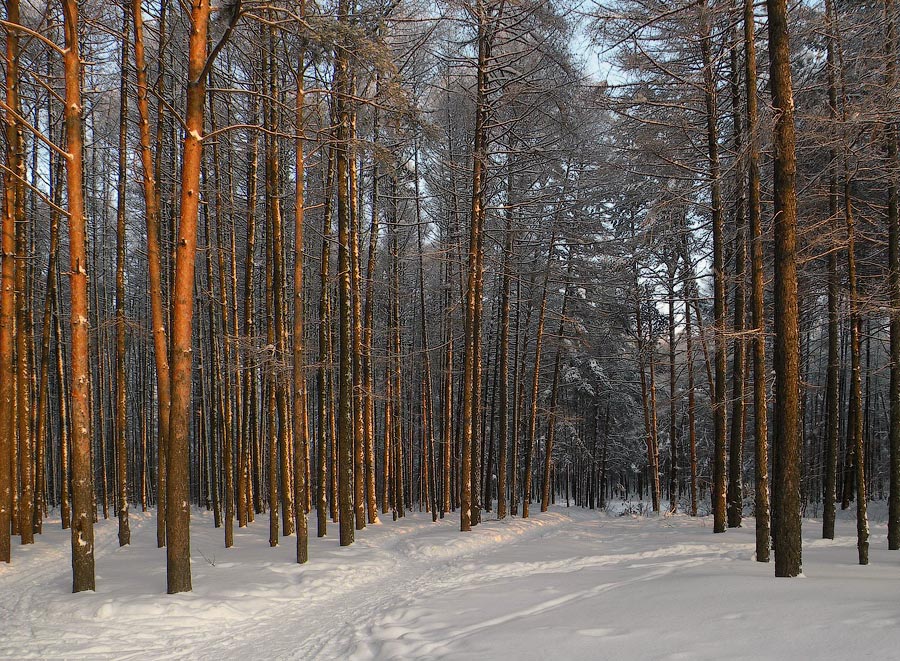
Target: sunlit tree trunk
(7,284)
(82,482)
(368,368)
(24,329)
(178,512)
(359,442)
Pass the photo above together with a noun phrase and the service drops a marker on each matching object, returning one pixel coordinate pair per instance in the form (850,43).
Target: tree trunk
(735,496)
(689,352)
(7,284)
(178,512)
(535,382)
(154,264)
(760,423)
(301,432)
(368,368)
(121,395)
(344,463)
(554,390)
(82,482)
(856,405)
(394,369)
(447,413)
(359,442)
(24,329)
(647,399)
(322,379)
(471,385)
(429,464)
(787,440)
(504,368)
(718,230)
(832,377)
(224,366)
(673,427)
(893,220)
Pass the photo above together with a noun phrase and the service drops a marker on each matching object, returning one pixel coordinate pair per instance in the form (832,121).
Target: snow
(569,583)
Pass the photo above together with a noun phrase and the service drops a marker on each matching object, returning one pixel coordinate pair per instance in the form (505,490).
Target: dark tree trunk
(718,229)
(787,440)
(760,422)
(893,220)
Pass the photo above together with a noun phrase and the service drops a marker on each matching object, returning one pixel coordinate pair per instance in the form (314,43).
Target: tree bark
(760,422)
(832,377)
(554,389)
(893,220)
(368,368)
(735,496)
(7,285)
(121,394)
(178,512)
(718,229)
(689,352)
(301,432)
(322,380)
(787,440)
(344,462)
(154,265)
(82,482)
(504,368)
(535,383)
(673,394)
(468,490)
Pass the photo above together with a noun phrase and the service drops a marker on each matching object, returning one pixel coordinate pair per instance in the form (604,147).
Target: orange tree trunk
(178,512)
(82,482)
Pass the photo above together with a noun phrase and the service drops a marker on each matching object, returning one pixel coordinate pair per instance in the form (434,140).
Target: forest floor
(569,583)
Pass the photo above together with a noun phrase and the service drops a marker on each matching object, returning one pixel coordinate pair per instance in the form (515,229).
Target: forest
(330,263)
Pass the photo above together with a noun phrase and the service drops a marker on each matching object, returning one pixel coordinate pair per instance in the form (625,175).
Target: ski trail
(391,620)
(415,568)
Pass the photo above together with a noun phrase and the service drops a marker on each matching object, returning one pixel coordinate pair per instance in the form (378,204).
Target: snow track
(564,584)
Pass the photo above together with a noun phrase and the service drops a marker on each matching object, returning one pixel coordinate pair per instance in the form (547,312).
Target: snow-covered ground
(568,584)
